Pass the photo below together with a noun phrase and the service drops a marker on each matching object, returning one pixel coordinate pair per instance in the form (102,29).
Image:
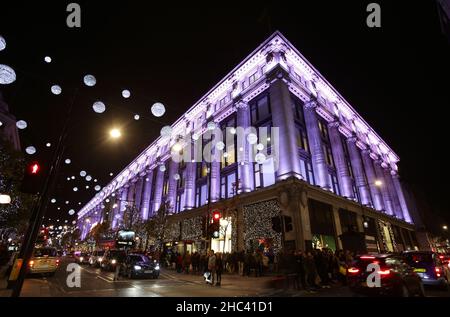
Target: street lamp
(115,133)
(444,227)
(5,199)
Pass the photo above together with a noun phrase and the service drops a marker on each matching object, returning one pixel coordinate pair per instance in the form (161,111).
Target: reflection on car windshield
(419,257)
(44,252)
(139,258)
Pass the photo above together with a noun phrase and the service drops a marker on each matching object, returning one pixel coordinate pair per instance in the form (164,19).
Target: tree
(156,226)
(14,217)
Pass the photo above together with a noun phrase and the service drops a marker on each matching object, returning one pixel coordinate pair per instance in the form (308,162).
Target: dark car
(82,258)
(429,267)
(96,258)
(396,277)
(139,265)
(111,259)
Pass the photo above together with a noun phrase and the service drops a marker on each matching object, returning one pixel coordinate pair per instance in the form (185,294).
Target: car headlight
(81,258)
(137,268)
(113,261)
(157,267)
(100,259)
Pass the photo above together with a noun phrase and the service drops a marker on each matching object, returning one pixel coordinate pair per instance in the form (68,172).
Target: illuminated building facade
(306,155)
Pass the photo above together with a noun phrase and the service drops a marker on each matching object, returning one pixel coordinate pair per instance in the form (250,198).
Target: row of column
(388,196)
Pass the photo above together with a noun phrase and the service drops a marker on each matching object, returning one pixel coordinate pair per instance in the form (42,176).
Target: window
(260,109)
(201,195)
(229,185)
(253,77)
(229,155)
(264,174)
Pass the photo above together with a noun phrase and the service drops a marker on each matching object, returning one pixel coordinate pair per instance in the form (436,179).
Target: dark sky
(396,77)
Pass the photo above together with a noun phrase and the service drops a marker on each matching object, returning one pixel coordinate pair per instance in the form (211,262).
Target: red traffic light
(216,215)
(34,168)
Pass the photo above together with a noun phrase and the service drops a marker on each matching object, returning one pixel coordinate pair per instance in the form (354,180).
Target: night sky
(396,77)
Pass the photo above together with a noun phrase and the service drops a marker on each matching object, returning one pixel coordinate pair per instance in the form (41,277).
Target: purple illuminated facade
(324,167)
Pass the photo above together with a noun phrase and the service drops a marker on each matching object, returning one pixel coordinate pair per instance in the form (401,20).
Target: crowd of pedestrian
(309,270)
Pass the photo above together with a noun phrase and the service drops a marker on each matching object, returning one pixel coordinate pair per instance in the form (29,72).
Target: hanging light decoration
(21,124)
(97,188)
(126,93)
(89,80)
(176,176)
(220,145)
(75,189)
(260,147)
(48,144)
(2,43)
(252,138)
(158,109)
(166,131)
(136,117)
(99,107)
(7,75)
(67,161)
(211,125)
(260,158)
(83,173)
(47,59)
(30,150)
(162,168)
(89,178)
(53,200)
(195,136)
(71,212)
(56,90)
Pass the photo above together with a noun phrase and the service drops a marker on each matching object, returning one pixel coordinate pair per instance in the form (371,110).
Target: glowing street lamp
(5,199)
(378,183)
(444,227)
(115,133)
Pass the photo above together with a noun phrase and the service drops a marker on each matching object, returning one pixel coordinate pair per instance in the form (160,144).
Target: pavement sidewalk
(31,287)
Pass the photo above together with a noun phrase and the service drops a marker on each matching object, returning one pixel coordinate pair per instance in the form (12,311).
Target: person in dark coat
(300,270)
(219,269)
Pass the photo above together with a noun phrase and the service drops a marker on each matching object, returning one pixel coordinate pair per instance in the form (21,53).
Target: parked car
(429,267)
(139,265)
(43,260)
(96,258)
(111,258)
(396,277)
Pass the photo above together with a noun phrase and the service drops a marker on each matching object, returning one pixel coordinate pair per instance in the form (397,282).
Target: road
(97,283)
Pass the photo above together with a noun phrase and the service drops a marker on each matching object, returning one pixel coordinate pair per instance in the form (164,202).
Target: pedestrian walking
(212,266)
(219,269)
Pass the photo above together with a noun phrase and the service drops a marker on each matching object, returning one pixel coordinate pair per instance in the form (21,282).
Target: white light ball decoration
(48,144)
(47,59)
(137,117)
(56,90)
(87,186)
(126,93)
(233,130)
(111,174)
(53,200)
(89,80)
(211,125)
(67,202)
(195,136)
(83,173)
(71,212)
(107,200)
(89,178)
(30,150)
(260,158)
(220,145)
(95,180)
(176,177)
(68,178)
(162,168)
(1,123)
(7,75)
(73,177)
(225,154)
(67,161)
(59,208)
(74,222)
(21,124)
(166,131)
(99,107)
(97,188)
(260,147)
(2,43)
(158,109)
(252,138)
(75,189)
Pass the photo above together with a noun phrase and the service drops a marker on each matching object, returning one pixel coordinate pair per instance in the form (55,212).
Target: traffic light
(276,224)
(33,179)
(214,227)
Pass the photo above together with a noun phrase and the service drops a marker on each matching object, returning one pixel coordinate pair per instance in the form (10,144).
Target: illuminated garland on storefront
(191,228)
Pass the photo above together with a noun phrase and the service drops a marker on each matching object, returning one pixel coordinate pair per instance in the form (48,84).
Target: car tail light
(441,257)
(384,272)
(367,257)
(438,272)
(31,263)
(353,270)
(57,261)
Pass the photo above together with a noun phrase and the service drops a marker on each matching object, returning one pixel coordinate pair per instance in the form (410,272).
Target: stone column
(358,171)
(158,190)
(337,225)
(146,195)
(288,162)
(189,185)
(172,190)
(122,204)
(315,146)
(138,192)
(371,178)
(245,159)
(215,175)
(401,197)
(340,161)
(397,209)
(115,210)
(384,190)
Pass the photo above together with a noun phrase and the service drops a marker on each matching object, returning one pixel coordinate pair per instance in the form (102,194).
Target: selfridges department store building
(272,140)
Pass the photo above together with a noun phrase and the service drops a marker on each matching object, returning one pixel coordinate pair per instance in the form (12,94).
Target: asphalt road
(97,283)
